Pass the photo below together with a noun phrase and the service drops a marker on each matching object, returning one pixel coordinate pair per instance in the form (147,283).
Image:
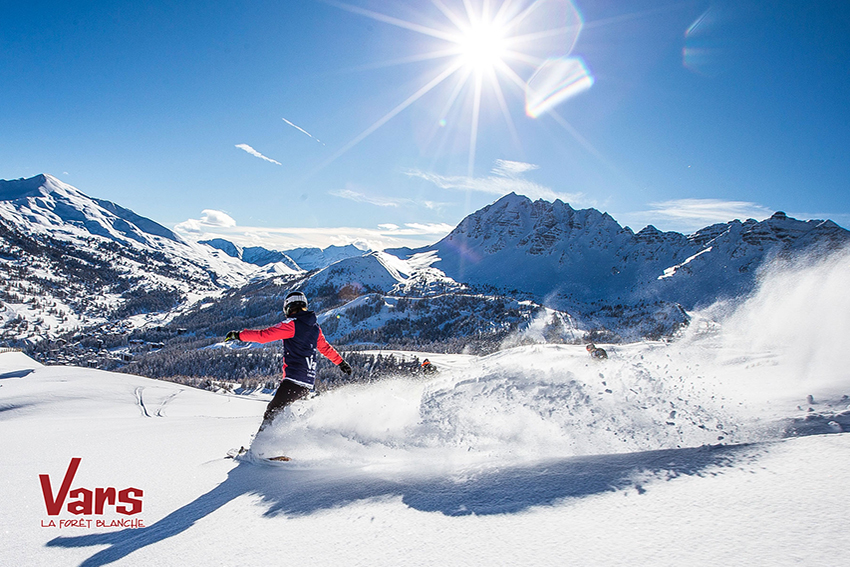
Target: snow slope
(495,482)
(534,455)
(498,469)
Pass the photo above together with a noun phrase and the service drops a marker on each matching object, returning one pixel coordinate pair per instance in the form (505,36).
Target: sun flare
(489,52)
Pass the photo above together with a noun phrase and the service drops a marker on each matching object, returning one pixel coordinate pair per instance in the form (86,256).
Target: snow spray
(786,342)
(731,377)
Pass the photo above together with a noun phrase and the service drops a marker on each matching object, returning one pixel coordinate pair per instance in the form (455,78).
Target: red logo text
(86,501)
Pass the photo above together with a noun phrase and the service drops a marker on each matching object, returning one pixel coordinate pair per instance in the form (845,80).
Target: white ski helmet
(294,300)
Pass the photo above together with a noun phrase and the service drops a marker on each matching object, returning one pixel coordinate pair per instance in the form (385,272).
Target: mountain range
(74,263)
(572,257)
(306,259)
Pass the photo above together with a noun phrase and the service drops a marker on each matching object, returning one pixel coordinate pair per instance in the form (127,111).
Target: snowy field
(724,447)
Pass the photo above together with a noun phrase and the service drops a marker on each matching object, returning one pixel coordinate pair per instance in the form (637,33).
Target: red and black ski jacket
(302,337)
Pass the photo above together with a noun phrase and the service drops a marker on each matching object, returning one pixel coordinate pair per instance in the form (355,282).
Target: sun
(483,46)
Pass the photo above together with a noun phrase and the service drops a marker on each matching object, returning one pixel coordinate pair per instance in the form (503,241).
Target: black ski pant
(287,392)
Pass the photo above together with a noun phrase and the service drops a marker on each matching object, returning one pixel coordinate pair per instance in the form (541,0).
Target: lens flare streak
(554,82)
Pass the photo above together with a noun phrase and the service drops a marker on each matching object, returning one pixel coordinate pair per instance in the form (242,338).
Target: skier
(301,337)
(428,367)
(596,352)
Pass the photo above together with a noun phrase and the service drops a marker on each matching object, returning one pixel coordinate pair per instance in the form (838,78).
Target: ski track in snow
(140,400)
(165,403)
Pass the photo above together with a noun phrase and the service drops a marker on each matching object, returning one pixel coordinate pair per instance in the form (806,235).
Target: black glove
(345,367)
(232,336)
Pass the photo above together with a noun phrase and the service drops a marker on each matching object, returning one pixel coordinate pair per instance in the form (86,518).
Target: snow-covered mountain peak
(318,258)
(551,250)
(15,189)
(515,219)
(71,261)
(43,186)
(229,248)
(45,203)
(297,259)
(383,272)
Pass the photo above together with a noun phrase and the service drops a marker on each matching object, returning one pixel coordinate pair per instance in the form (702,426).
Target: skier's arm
(284,330)
(326,349)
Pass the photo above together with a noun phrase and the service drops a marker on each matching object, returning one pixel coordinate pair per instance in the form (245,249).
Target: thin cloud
(689,215)
(505,179)
(427,228)
(508,168)
(352,195)
(302,130)
(708,210)
(255,153)
(417,228)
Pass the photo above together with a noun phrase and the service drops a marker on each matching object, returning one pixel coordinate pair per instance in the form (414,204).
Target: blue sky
(290,123)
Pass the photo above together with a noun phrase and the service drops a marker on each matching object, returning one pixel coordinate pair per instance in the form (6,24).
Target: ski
(242,454)
(233,453)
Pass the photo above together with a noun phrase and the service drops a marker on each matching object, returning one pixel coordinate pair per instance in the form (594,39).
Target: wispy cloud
(300,129)
(255,153)
(505,177)
(708,211)
(426,228)
(352,195)
(688,215)
(508,168)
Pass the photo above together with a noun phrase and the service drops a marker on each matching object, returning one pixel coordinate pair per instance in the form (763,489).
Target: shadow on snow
(297,492)
(17,374)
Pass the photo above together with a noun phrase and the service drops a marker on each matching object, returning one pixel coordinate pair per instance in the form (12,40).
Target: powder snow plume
(788,340)
(520,405)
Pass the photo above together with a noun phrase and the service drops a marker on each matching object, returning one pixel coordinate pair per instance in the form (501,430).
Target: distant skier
(302,337)
(596,352)
(428,367)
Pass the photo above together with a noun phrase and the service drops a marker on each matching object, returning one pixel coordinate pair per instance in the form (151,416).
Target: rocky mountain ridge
(572,257)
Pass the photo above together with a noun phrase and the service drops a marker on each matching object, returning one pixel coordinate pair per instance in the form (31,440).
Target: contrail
(255,153)
(303,130)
